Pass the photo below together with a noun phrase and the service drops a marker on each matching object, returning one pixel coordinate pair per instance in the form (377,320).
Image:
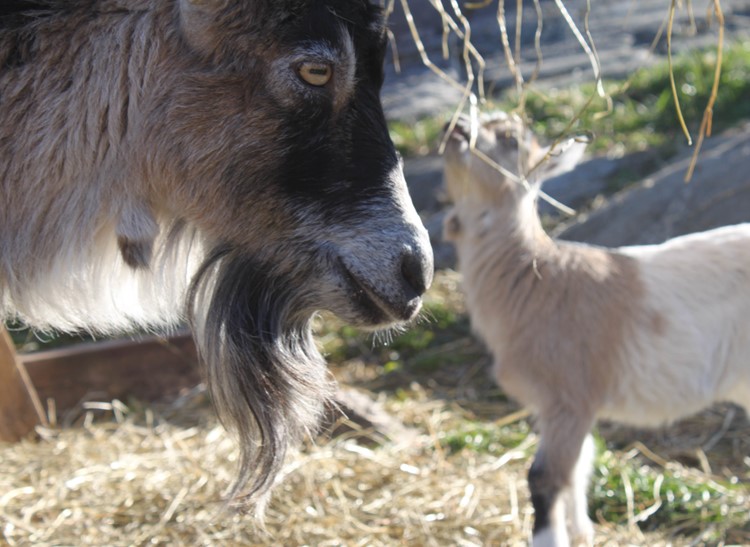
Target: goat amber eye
(317,74)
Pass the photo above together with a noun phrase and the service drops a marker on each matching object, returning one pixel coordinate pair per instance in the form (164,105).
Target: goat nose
(416,271)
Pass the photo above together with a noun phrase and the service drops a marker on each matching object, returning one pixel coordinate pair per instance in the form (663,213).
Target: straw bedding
(154,475)
(142,482)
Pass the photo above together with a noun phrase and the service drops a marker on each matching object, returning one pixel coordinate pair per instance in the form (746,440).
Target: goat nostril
(415,273)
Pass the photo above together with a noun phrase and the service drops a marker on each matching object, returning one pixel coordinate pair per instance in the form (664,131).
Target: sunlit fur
(643,335)
(163,161)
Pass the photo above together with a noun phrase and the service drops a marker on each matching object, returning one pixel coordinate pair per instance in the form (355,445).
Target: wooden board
(149,369)
(20,410)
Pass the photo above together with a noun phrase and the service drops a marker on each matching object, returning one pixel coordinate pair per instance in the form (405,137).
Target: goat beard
(268,382)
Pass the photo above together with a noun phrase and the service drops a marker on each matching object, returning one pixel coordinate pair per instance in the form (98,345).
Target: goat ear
(563,158)
(451,225)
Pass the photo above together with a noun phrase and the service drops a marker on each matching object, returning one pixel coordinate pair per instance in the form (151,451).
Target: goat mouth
(461,132)
(379,310)
(457,145)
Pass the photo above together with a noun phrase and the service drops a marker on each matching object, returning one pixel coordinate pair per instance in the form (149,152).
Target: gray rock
(595,177)
(424,176)
(575,188)
(444,252)
(664,206)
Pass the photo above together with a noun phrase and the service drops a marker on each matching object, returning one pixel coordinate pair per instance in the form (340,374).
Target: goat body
(643,335)
(226,161)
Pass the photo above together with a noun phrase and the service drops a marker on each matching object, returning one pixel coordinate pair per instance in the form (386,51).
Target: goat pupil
(315,73)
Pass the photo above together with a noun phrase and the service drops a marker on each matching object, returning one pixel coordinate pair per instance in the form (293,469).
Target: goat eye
(317,74)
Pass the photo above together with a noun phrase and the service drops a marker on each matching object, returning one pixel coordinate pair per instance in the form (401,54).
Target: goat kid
(226,161)
(642,335)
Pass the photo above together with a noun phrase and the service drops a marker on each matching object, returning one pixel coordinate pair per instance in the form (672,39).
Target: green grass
(675,498)
(484,437)
(417,348)
(417,138)
(644,113)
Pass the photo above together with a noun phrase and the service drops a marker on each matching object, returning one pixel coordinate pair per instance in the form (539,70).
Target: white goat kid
(643,335)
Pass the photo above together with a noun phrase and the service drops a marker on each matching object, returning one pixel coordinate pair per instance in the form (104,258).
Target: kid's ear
(563,158)
(451,225)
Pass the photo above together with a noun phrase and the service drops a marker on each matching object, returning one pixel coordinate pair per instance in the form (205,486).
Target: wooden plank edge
(149,369)
(20,407)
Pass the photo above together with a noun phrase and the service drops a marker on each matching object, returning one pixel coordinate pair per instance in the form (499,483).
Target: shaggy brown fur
(168,159)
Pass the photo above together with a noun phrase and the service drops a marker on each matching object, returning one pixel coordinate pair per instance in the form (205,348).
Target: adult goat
(226,161)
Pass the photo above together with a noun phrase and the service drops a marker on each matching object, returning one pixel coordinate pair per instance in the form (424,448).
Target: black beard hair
(268,381)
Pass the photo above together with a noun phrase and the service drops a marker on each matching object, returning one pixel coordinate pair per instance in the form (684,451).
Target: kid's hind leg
(553,480)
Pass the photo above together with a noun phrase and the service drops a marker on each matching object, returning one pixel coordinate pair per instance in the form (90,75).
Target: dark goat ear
(451,225)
